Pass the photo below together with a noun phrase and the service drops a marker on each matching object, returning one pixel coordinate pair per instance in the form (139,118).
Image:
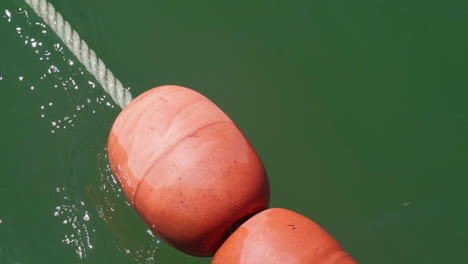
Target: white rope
(83,53)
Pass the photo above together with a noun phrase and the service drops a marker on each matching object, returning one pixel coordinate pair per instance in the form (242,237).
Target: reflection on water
(112,208)
(108,205)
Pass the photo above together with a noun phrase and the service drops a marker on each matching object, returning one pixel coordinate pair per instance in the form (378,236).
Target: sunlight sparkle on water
(8,14)
(63,95)
(70,214)
(61,71)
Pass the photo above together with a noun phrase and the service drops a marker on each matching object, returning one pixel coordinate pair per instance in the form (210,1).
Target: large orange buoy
(186,168)
(280,236)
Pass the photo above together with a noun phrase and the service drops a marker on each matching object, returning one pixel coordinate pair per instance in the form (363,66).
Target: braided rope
(83,53)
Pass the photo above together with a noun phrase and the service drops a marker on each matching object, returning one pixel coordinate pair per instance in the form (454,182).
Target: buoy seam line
(170,148)
(82,52)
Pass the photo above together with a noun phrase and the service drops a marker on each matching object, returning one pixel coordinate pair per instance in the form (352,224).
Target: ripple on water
(65,99)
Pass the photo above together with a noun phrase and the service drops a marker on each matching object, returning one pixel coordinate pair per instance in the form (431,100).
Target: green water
(357,108)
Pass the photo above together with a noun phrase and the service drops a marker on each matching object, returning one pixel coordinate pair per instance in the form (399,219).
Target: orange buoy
(281,236)
(186,168)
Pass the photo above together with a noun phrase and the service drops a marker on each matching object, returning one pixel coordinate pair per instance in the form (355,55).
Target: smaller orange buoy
(281,236)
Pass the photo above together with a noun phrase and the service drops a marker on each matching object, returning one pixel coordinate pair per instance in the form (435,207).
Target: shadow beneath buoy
(237,224)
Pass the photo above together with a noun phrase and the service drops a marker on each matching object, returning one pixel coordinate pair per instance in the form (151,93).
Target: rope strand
(83,53)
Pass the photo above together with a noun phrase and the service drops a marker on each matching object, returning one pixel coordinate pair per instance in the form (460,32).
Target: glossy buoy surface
(186,168)
(280,236)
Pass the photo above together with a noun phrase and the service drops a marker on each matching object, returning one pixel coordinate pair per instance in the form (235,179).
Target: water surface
(358,110)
